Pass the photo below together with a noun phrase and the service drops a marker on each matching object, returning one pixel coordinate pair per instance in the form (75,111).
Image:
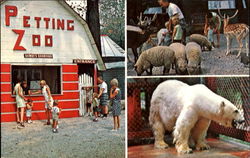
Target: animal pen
(139,92)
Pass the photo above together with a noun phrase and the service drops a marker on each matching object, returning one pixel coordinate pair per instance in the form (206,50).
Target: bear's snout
(237,122)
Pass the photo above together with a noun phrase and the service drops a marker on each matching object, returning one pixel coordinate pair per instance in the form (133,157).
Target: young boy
(55,116)
(29,106)
(177,32)
(95,104)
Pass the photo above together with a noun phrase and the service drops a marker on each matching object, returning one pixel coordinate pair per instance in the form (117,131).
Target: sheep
(180,58)
(193,54)
(156,56)
(201,40)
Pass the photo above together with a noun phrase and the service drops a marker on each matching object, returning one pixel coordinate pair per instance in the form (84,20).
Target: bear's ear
(222,106)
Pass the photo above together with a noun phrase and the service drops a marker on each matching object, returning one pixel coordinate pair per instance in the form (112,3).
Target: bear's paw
(202,146)
(161,145)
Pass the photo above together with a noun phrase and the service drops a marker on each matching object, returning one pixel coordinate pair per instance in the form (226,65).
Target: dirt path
(214,62)
(77,138)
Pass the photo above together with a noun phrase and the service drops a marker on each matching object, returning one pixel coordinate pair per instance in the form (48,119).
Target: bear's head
(229,115)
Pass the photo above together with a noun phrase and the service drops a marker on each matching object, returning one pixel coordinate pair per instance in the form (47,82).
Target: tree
(92,18)
(112,19)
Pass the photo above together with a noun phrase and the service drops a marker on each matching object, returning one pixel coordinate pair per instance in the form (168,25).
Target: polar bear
(187,111)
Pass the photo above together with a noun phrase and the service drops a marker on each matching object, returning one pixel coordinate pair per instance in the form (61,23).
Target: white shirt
(55,110)
(104,86)
(45,93)
(174,9)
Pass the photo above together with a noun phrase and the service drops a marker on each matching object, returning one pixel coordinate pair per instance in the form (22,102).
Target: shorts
(96,109)
(55,117)
(48,106)
(88,105)
(104,99)
(28,113)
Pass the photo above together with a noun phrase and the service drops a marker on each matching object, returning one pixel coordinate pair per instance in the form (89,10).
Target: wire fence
(235,89)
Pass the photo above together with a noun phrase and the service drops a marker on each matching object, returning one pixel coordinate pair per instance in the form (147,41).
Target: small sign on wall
(38,56)
(84,61)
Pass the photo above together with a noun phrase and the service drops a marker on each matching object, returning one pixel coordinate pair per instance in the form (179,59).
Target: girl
(177,32)
(48,99)
(115,96)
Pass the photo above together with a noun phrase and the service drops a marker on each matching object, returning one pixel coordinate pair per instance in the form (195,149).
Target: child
(55,116)
(29,106)
(115,96)
(89,101)
(177,32)
(95,104)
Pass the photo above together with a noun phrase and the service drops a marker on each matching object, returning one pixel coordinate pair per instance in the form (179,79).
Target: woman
(115,96)
(48,100)
(20,100)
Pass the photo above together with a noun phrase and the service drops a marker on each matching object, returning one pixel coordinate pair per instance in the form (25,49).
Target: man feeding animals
(212,26)
(173,10)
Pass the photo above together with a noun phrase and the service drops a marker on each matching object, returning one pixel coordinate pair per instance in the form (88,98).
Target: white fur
(188,111)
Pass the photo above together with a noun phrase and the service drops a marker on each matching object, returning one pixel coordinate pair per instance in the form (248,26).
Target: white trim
(5,113)
(5,83)
(36,64)
(70,82)
(75,73)
(5,92)
(71,91)
(41,101)
(5,72)
(185,76)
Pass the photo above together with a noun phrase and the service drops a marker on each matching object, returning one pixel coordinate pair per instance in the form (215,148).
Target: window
(33,74)
(222,4)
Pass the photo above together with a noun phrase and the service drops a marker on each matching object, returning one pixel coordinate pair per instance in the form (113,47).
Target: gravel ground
(214,62)
(77,138)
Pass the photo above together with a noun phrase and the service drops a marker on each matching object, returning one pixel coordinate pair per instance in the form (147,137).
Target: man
(103,96)
(174,11)
(212,26)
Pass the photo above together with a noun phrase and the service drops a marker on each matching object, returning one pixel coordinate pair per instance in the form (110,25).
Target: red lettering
(9,11)
(36,40)
(19,39)
(26,21)
(60,24)
(70,27)
(48,41)
(38,19)
(53,24)
(46,22)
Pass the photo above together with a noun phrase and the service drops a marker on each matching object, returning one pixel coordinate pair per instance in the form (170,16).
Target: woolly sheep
(180,58)
(201,40)
(193,54)
(156,56)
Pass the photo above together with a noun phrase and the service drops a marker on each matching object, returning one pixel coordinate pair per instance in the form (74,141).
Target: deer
(137,38)
(239,31)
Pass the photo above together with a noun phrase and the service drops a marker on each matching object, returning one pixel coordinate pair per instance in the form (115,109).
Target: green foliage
(112,19)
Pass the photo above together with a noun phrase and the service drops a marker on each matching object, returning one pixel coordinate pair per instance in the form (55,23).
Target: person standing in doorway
(173,10)
(103,96)
(20,101)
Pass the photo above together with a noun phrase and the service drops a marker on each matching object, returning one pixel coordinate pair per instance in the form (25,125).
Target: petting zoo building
(46,40)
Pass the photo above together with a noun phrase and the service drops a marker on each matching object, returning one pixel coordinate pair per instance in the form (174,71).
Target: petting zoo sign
(38,22)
